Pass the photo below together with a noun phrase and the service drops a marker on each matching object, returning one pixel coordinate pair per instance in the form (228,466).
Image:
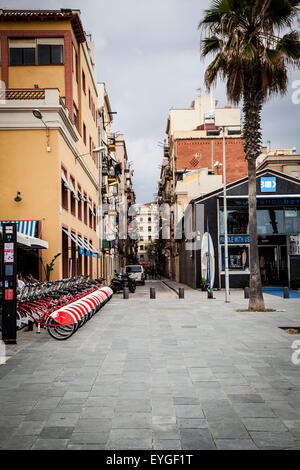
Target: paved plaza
(164,373)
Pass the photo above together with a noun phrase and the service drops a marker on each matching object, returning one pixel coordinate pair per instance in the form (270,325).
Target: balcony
(34,94)
(14,104)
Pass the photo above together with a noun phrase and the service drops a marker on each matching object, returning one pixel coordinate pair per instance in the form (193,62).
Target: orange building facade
(48,131)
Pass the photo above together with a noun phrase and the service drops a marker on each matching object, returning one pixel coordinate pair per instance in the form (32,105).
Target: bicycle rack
(75,311)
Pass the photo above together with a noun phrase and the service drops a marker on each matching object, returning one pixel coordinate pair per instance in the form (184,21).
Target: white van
(136,271)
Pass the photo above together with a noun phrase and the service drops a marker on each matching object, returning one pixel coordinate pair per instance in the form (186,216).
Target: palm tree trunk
(256,300)
(252,144)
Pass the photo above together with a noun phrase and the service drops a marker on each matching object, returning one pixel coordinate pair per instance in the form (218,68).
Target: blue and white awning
(27,234)
(84,246)
(26,227)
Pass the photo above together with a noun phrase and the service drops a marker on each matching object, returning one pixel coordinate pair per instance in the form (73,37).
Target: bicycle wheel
(60,332)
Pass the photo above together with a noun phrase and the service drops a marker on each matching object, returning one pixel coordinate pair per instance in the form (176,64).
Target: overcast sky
(148,56)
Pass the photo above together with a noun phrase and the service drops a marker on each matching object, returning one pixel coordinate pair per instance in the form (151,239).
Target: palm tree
(253,43)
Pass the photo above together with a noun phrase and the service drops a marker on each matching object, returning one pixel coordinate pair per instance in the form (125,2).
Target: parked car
(136,272)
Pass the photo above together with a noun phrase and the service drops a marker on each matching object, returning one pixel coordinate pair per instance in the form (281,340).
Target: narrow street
(162,373)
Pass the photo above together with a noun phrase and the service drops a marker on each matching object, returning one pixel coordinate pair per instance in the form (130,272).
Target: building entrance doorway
(273,265)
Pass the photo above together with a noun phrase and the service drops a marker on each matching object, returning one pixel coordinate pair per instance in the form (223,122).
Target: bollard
(286,293)
(246,293)
(210,294)
(125,293)
(181,292)
(152,292)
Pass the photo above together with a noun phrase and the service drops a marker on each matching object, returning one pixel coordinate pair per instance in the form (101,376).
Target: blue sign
(268,184)
(235,239)
(81,251)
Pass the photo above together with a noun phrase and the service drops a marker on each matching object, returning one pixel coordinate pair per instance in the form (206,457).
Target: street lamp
(37,113)
(95,150)
(227,291)
(217,165)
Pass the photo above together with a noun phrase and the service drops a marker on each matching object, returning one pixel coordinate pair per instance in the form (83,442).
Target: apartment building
(49,137)
(147,226)
(192,162)
(285,160)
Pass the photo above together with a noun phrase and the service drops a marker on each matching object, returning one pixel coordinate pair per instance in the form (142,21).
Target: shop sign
(295,245)
(268,184)
(235,239)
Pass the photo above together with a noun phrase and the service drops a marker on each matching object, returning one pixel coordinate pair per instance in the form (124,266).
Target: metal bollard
(181,292)
(125,293)
(246,293)
(286,293)
(152,292)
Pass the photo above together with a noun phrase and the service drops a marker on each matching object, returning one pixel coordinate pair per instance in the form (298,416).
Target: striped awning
(81,243)
(26,227)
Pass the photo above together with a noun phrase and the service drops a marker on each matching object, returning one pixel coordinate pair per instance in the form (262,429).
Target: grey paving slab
(196,439)
(165,431)
(50,444)
(167,444)
(56,432)
(89,438)
(264,424)
(153,374)
(235,444)
(228,429)
(132,421)
(273,440)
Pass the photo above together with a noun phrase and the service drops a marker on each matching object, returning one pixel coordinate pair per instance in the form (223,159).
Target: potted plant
(48,267)
(203,284)
(295,283)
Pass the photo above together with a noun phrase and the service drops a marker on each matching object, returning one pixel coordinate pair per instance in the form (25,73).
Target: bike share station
(9,283)
(61,306)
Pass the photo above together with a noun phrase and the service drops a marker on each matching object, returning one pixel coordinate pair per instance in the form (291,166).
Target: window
(75,115)
(141,247)
(292,220)
(84,133)
(90,214)
(270,221)
(95,218)
(41,51)
(22,56)
(141,239)
(149,219)
(64,190)
(237,221)
(50,54)
(73,200)
(85,210)
(238,257)
(141,219)
(83,82)
(141,229)
(149,238)
(79,205)
(76,66)
(149,228)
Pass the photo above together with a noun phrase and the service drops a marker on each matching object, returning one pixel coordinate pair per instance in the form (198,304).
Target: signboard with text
(9,283)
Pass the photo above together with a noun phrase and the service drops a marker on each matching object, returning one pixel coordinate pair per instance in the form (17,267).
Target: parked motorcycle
(120,281)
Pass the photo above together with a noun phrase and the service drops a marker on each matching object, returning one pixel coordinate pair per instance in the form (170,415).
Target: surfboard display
(208,259)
